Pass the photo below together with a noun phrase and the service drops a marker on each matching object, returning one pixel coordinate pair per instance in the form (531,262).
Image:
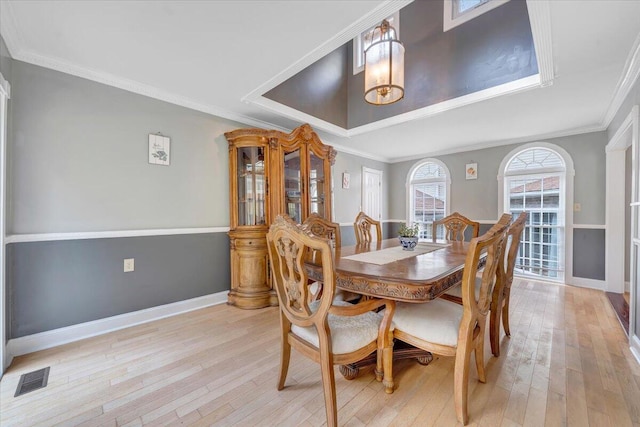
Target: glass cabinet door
(293,185)
(316,184)
(251,186)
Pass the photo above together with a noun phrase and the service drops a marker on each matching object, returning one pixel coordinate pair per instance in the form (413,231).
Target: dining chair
(362,228)
(320,227)
(500,307)
(454,227)
(449,329)
(454,293)
(328,332)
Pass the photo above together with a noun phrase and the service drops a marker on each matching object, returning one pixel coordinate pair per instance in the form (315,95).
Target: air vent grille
(32,381)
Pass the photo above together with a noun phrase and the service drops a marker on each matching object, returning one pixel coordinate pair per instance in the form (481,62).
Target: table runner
(386,256)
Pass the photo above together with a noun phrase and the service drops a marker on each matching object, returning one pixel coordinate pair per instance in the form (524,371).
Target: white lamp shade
(384,72)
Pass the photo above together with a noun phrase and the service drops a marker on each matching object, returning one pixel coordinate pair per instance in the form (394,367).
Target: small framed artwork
(472,171)
(159,150)
(346,179)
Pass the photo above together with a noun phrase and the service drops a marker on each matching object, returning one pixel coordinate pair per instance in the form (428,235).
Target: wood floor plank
(566,363)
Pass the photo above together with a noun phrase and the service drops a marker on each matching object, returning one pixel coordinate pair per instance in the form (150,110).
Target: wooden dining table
(384,270)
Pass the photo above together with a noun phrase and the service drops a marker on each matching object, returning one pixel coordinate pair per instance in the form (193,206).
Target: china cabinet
(271,173)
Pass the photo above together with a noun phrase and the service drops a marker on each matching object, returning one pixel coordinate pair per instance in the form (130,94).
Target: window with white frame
(362,41)
(535,182)
(457,12)
(428,194)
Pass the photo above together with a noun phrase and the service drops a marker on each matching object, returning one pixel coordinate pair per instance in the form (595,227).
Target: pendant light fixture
(384,66)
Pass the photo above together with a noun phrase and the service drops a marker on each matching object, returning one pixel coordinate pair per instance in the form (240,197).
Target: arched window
(534,179)
(428,184)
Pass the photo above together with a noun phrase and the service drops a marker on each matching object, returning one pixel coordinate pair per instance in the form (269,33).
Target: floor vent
(32,381)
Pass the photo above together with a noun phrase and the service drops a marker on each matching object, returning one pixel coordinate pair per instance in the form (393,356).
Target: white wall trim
(56,337)
(5,87)
(583,282)
(590,226)
(46,237)
(627,79)
(614,200)
(541,30)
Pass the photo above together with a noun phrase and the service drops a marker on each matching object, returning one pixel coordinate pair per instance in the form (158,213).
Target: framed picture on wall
(159,150)
(471,171)
(346,179)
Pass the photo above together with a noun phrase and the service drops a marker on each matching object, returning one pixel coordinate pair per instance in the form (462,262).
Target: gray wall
(588,253)
(348,201)
(79,152)
(78,162)
(478,198)
(63,283)
(319,90)
(492,49)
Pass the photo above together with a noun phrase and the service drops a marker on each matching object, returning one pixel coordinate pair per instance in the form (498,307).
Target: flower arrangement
(408,231)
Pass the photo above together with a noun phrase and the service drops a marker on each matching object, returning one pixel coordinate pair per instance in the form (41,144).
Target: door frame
(5,94)
(626,135)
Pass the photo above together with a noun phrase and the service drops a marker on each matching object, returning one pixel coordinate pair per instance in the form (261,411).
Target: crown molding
(540,21)
(363,154)
(9,29)
(137,87)
(629,76)
(492,144)
(509,88)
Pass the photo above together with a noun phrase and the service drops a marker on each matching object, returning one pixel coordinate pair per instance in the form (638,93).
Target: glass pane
(462,6)
(316,185)
(293,186)
(542,239)
(251,191)
(428,206)
(429,170)
(535,158)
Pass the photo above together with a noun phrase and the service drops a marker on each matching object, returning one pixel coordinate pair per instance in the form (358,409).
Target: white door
(372,193)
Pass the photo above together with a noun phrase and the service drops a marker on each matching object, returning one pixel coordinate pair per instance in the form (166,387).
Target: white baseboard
(56,337)
(587,283)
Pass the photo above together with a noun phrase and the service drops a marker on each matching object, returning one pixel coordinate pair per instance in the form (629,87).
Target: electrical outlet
(128,265)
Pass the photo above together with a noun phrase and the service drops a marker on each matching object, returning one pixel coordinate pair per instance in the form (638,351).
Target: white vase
(408,243)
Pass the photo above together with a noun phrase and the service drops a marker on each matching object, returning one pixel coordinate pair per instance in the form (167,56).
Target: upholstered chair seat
(348,333)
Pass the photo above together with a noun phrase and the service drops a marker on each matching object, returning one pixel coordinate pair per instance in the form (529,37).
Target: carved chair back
(362,228)
(454,227)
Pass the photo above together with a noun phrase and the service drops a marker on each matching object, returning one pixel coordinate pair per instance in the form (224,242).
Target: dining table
(383,269)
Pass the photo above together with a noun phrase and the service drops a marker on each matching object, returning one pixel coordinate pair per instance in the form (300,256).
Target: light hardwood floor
(567,363)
